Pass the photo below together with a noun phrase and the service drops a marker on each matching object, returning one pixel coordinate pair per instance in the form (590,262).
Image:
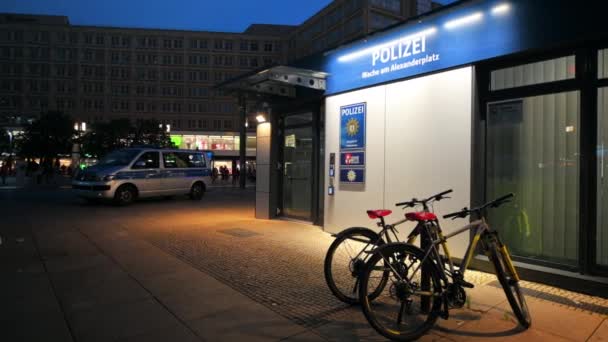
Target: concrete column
(243,142)
(263,171)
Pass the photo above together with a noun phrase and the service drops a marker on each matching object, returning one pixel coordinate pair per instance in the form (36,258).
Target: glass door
(601,242)
(297,167)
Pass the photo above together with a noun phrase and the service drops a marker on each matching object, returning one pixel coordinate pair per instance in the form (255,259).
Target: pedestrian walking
(214,175)
(4,172)
(235,176)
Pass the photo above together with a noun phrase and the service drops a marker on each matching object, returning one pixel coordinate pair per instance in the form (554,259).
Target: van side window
(193,159)
(172,160)
(183,160)
(148,160)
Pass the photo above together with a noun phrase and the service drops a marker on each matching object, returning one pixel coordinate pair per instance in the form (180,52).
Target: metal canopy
(279,80)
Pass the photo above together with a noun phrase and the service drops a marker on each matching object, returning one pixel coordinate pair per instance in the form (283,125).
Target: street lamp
(10,141)
(167,127)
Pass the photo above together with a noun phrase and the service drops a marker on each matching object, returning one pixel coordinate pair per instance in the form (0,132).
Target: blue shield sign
(352,176)
(352,126)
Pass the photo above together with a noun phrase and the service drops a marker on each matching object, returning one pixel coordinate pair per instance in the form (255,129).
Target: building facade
(511,108)
(345,20)
(104,73)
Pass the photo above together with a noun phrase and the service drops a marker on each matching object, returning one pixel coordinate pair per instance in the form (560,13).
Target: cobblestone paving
(285,275)
(280,264)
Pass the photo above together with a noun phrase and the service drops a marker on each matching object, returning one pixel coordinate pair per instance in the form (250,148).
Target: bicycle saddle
(420,216)
(374,214)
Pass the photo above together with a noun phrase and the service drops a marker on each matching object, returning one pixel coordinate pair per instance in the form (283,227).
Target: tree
(5,142)
(47,137)
(105,137)
(150,132)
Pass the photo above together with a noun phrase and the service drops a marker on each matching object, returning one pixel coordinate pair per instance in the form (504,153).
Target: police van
(127,174)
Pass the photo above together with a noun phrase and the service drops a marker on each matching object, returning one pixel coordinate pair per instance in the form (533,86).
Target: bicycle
(421,287)
(356,241)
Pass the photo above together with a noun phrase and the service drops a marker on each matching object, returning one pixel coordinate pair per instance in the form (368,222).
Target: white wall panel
(428,143)
(347,208)
(418,143)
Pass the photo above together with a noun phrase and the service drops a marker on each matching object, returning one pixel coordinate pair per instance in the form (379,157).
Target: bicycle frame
(480,226)
(383,232)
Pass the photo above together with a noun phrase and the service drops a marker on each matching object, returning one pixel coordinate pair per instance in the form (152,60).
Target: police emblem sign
(352,126)
(352,143)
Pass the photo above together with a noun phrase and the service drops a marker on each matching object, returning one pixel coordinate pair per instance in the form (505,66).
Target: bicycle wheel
(346,259)
(501,261)
(399,312)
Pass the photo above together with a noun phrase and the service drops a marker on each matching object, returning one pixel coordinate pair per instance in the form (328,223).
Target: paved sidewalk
(205,271)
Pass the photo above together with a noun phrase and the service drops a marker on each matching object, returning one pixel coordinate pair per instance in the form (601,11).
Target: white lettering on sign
(352,110)
(401,49)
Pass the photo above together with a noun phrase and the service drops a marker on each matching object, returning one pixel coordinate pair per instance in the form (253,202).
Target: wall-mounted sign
(352,143)
(352,126)
(352,158)
(290,140)
(466,33)
(352,176)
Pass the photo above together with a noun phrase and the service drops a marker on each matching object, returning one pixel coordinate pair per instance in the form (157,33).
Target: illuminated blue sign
(469,32)
(352,143)
(352,176)
(352,126)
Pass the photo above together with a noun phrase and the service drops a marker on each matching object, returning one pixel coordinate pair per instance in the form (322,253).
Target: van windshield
(119,158)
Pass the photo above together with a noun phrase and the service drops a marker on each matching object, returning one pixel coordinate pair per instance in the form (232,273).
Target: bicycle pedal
(465,283)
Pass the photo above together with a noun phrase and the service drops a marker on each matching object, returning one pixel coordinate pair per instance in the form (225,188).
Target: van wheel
(125,195)
(197,191)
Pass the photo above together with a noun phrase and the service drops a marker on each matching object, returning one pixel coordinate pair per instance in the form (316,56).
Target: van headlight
(108,178)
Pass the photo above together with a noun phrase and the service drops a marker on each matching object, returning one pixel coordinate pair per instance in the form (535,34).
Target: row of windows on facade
(333,37)
(99,105)
(344,12)
(89,71)
(141,42)
(99,56)
(215,124)
(116,89)
(329,20)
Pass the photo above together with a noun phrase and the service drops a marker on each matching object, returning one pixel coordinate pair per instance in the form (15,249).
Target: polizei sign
(404,53)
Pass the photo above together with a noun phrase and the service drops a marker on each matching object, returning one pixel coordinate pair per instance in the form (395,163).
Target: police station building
(483,97)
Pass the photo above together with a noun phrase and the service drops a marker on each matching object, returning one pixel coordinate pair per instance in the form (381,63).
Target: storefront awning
(278,80)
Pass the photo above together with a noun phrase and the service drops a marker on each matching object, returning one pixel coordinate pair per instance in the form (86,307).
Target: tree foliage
(4,141)
(105,137)
(47,137)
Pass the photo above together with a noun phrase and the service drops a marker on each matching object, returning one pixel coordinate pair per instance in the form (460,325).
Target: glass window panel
(533,151)
(602,178)
(551,70)
(148,160)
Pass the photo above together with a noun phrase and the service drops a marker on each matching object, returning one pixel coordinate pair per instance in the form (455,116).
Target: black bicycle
(348,254)
(424,284)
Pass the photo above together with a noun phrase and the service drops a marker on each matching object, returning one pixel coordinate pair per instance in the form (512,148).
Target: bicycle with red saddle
(348,254)
(423,284)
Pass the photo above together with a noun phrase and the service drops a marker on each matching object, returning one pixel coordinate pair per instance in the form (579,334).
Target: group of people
(224,174)
(46,170)
(6,169)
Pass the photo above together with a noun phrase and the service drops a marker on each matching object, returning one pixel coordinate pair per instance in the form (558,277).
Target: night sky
(216,15)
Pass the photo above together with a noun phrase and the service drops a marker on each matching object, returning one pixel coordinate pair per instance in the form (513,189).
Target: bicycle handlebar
(414,201)
(494,204)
